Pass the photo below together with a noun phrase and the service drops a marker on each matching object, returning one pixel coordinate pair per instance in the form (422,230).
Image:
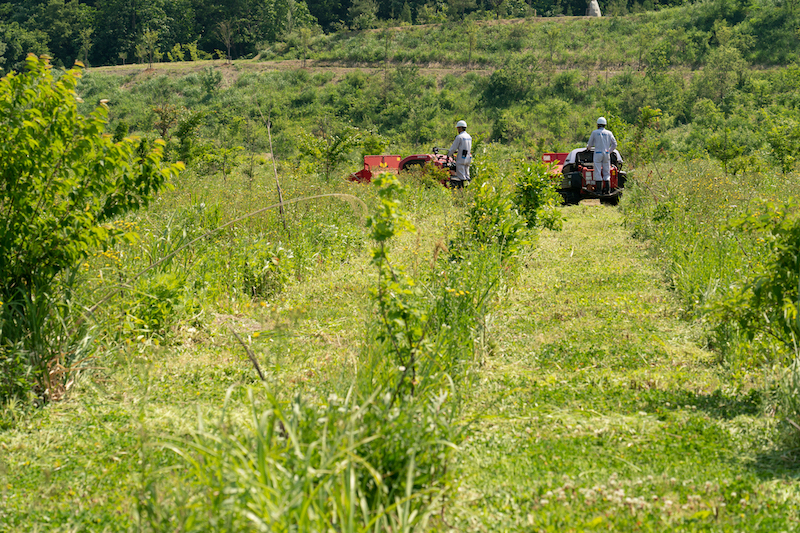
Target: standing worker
(462,151)
(603,142)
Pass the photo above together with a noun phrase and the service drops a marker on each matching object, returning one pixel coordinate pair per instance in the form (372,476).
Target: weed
(492,222)
(536,196)
(342,463)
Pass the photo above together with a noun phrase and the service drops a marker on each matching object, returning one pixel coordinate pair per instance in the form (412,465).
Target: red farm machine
(377,164)
(577,171)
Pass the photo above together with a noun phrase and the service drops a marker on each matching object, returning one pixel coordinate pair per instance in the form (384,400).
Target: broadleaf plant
(63,181)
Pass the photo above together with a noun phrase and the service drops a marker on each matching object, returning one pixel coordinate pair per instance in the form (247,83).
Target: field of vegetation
(205,327)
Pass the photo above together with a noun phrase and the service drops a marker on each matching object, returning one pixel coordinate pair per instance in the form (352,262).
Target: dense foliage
(63,183)
(122,31)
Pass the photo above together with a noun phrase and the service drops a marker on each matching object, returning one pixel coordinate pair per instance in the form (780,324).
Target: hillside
(118,32)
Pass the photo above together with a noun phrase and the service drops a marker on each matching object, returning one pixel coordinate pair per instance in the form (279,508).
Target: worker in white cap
(603,143)
(461,150)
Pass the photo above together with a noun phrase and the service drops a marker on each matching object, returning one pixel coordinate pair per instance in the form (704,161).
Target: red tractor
(578,183)
(377,164)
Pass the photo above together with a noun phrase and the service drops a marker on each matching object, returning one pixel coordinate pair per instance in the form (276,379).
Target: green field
(592,408)
(400,357)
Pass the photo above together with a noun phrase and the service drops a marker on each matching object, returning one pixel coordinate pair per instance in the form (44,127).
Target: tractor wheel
(569,197)
(576,186)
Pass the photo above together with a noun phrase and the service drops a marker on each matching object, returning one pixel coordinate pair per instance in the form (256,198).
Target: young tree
(553,34)
(168,116)
(724,146)
(646,39)
(305,41)
(387,36)
(725,69)
(191,49)
(85,35)
(147,49)
(176,54)
(329,149)
(225,32)
(62,183)
(782,137)
(472,38)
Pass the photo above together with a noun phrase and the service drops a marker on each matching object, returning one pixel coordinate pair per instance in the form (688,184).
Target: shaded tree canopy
(110,31)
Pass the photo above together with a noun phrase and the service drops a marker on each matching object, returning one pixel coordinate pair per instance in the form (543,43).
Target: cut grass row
(602,413)
(596,409)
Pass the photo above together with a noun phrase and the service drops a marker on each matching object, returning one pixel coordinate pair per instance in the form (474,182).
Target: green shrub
(536,196)
(507,85)
(62,181)
(509,126)
(210,79)
(492,221)
(768,299)
(328,150)
(263,269)
(159,303)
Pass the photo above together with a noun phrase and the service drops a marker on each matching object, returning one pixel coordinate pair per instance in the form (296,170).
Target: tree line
(124,31)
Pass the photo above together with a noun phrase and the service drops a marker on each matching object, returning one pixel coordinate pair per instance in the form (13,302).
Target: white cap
(461,124)
(602,121)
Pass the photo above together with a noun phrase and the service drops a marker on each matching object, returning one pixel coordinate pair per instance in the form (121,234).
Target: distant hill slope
(675,37)
(674,83)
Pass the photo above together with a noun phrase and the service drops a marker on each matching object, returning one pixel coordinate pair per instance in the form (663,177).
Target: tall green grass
(372,451)
(734,275)
(684,209)
(356,463)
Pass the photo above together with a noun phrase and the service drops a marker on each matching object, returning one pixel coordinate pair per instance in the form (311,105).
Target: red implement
(378,164)
(556,158)
(374,165)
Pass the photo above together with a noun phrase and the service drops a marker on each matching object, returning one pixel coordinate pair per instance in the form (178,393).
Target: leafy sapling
(63,181)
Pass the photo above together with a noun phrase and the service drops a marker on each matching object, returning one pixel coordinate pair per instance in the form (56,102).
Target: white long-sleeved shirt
(462,148)
(602,141)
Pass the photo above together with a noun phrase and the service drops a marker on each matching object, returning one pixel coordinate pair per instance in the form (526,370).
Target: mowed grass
(95,461)
(598,411)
